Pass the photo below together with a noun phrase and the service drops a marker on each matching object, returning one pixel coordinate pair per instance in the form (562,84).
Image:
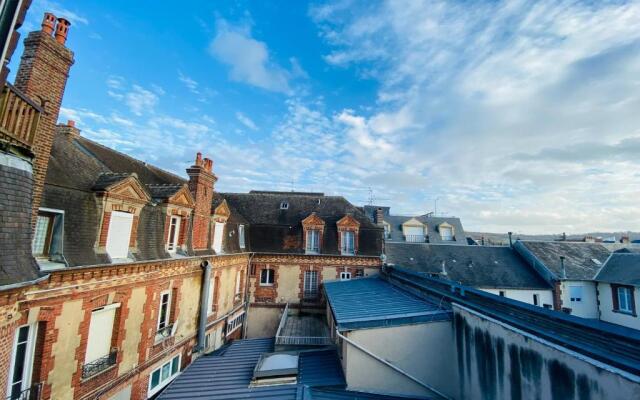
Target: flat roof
(375,303)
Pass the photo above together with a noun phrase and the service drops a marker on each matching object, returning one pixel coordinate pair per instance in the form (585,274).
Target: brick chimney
(379,215)
(69,129)
(201,181)
(42,76)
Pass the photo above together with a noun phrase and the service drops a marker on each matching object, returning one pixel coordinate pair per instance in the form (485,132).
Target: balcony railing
(310,294)
(19,117)
(415,238)
(99,365)
(32,393)
(164,333)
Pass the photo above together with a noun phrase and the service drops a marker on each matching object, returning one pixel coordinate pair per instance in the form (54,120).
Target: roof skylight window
(276,369)
(284,205)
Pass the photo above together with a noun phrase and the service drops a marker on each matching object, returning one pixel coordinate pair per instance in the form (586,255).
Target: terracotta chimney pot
(71,123)
(48,23)
(62,29)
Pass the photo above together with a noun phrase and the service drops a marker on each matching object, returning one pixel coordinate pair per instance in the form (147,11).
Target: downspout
(393,367)
(204,297)
(246,296)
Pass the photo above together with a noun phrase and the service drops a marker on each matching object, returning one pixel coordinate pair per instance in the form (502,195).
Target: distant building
(495,269)
(425,228)
(569,267)
(618,283)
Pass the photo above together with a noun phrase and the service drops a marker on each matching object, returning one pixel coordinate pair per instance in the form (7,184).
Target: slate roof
(432,223)
(375,303)
(77,168)
(476,266)
(226,374)
(621,268)
(579,258)
(275,230)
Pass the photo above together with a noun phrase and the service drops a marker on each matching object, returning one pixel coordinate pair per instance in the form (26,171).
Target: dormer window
(347,241)
(47,237)
(313,241)
(174,233)
(446,232)
(119,235)
(284,205)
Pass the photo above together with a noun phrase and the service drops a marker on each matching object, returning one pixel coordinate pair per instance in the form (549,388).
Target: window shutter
(119,234)
(217,237)
(100,330)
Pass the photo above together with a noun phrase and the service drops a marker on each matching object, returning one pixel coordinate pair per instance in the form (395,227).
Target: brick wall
(201,181)
(42,76)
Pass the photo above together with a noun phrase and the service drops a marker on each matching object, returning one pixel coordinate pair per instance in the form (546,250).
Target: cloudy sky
(513,115)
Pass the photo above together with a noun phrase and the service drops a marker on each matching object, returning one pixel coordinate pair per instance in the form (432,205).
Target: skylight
(284,205)
(596,261)
(276,369)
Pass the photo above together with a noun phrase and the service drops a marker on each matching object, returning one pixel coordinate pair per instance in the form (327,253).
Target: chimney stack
(62,28)
(42,76)
(444,268)
(68,129)
(510,239)
(201,184)
(379,215)
(562,268)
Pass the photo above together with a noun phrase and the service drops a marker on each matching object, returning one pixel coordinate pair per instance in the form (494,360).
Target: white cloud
(60,11)
(191,84)
(246,121)
(248,58)
(518,116)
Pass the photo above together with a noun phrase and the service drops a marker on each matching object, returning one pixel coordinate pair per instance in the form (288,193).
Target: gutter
(392,366)
(19,285)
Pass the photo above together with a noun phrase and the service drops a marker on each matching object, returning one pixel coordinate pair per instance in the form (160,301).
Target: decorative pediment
(182,198)
(313,220)
(348,222)
(413,222)
(129,189)
(222,212)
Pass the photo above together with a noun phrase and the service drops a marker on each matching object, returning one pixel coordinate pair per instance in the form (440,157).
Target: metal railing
(298,340)
(310,294)
(19,116)
(165,332)
(415,238)
(99,365)
(32,393)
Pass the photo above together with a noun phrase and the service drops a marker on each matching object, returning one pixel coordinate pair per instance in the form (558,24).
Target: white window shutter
(119,234)
(217,237)
(100,330)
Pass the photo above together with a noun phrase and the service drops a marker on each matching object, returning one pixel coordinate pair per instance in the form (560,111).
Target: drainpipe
(562,268)
(204,297)
(246,296)
(510,240)
(393,367)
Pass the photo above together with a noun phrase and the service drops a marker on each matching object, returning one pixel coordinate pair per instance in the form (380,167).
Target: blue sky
(514,115)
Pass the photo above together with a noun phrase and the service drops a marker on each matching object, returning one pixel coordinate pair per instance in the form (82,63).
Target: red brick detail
(134,232)
(182,237)
(201,181)
(313,222)
(104,230)
(42,76)
(557,296)
(266,294)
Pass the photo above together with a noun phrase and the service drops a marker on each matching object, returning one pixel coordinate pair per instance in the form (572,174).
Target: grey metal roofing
(579,257)
(621,268)
(477,266)
(337,394)
(432,223)
(373,302)
(227,374)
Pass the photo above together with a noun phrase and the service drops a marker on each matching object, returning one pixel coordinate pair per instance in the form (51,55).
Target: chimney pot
(199,159)
(71,123)
(62,29)
(48,23)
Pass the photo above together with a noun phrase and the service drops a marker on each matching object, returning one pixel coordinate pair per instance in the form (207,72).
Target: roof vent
(284,205)
(276,369)
(596,261)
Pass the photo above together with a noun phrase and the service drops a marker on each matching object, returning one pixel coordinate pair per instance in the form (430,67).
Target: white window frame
(27,372)
(241,241)
(343,248)
(110,232)
(111,308)
(235,322)
(310,248)
(173,247)
(163,383)
(308,283)
(270,274)
(218,233)
(167,314)
(345,276)
(56,214)
(576,299)
(628,297)
(446,238)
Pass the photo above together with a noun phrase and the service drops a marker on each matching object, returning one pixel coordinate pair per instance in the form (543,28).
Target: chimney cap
(62,29)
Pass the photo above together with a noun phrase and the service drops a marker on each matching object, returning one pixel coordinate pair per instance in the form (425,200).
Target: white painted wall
(422,350)
(526,296)
(588,306)
(606,308)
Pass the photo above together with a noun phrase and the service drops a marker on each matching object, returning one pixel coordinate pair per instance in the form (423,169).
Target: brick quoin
(104,230)
(42,76)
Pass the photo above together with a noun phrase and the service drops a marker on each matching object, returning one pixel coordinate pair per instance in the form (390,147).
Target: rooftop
(477,266)
(621,268)
(373,302)
(226,375)
(581,260)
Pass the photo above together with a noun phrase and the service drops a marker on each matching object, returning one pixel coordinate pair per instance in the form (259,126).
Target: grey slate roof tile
(621,268)
(579,257)
(476,266)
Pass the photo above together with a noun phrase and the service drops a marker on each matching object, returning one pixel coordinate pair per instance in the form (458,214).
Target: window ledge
(623,312)
(266,285)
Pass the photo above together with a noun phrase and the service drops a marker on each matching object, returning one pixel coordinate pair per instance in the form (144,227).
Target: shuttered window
(100,331)
(119,234)
(217,237)
(174,234)
(310,284)
(313,241)
(241,236)
(348,242)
